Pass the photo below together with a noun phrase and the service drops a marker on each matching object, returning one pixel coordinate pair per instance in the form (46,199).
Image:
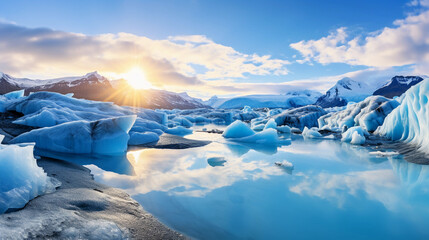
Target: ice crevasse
(20,177)
(410,121)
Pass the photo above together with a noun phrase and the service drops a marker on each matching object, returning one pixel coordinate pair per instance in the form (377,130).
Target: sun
(137,78)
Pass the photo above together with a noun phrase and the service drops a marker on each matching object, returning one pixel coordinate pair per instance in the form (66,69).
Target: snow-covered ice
(355,135)
(311,133)
(20,177)
(410,121)
(105,137)
(369,114)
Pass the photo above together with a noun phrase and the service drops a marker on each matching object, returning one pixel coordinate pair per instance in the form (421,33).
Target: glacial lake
(335,191)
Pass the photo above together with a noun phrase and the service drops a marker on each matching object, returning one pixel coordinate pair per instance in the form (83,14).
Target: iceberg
(355,135)
(179,131)
(410,121)
(311,133)
(47,109)
(137,138)
(241,132)
(284,129)
(5,99)
(300,117)
(237,129)
(20,177)
(369,113)
(271,124)
(105,137)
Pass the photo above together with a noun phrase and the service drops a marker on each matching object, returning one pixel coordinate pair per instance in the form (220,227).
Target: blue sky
(248,27)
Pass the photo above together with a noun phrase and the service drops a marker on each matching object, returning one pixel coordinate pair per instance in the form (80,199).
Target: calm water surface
(336,191)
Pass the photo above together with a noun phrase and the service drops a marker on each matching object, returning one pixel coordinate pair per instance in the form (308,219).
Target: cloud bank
(407,42)
(176,61)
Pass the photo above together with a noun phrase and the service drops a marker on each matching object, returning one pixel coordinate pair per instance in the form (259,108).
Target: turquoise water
(335,191)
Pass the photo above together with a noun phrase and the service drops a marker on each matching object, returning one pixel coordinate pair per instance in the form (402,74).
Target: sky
(220,47)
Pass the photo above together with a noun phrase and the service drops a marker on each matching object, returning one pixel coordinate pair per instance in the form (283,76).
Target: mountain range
(93,86)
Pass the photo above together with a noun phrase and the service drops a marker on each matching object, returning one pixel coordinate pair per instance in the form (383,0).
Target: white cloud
(405,43)
(168,62)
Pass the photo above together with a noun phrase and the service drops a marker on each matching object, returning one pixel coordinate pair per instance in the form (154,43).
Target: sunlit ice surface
(335,191)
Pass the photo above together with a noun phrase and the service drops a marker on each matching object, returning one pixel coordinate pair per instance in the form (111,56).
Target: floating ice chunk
(410,121)
(357,139)
(271,124)
(295,130)
(247,109)
(216,161)
(183,122)
(105,137)
(355,135)
(20,177)
(284,129)
(300,117)
(267,136)
(6,98)
(384,154)
(238,129)
(137,138)
(179,130)
(311,133)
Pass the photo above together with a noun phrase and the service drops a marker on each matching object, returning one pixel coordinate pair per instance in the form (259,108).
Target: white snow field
(105,137)
(410,121)
(288,100)
(370,113)
(241,132)
(355,135)
(20,177)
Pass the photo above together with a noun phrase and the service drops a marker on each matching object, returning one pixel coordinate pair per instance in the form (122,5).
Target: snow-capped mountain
(288,100)
(215,101)
(344,91)
(397,86)
(93,86)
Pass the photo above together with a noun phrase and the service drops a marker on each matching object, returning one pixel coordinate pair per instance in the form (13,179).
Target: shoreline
(80,208)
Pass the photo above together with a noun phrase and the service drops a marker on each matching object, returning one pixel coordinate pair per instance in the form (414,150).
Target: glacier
(369,113)
(20,177)
(104,137)
(409,122)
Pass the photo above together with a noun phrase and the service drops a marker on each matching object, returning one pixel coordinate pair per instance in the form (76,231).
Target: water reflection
(337,190)
(117,164)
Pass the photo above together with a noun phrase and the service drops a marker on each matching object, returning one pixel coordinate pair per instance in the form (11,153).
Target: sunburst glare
(136,77)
